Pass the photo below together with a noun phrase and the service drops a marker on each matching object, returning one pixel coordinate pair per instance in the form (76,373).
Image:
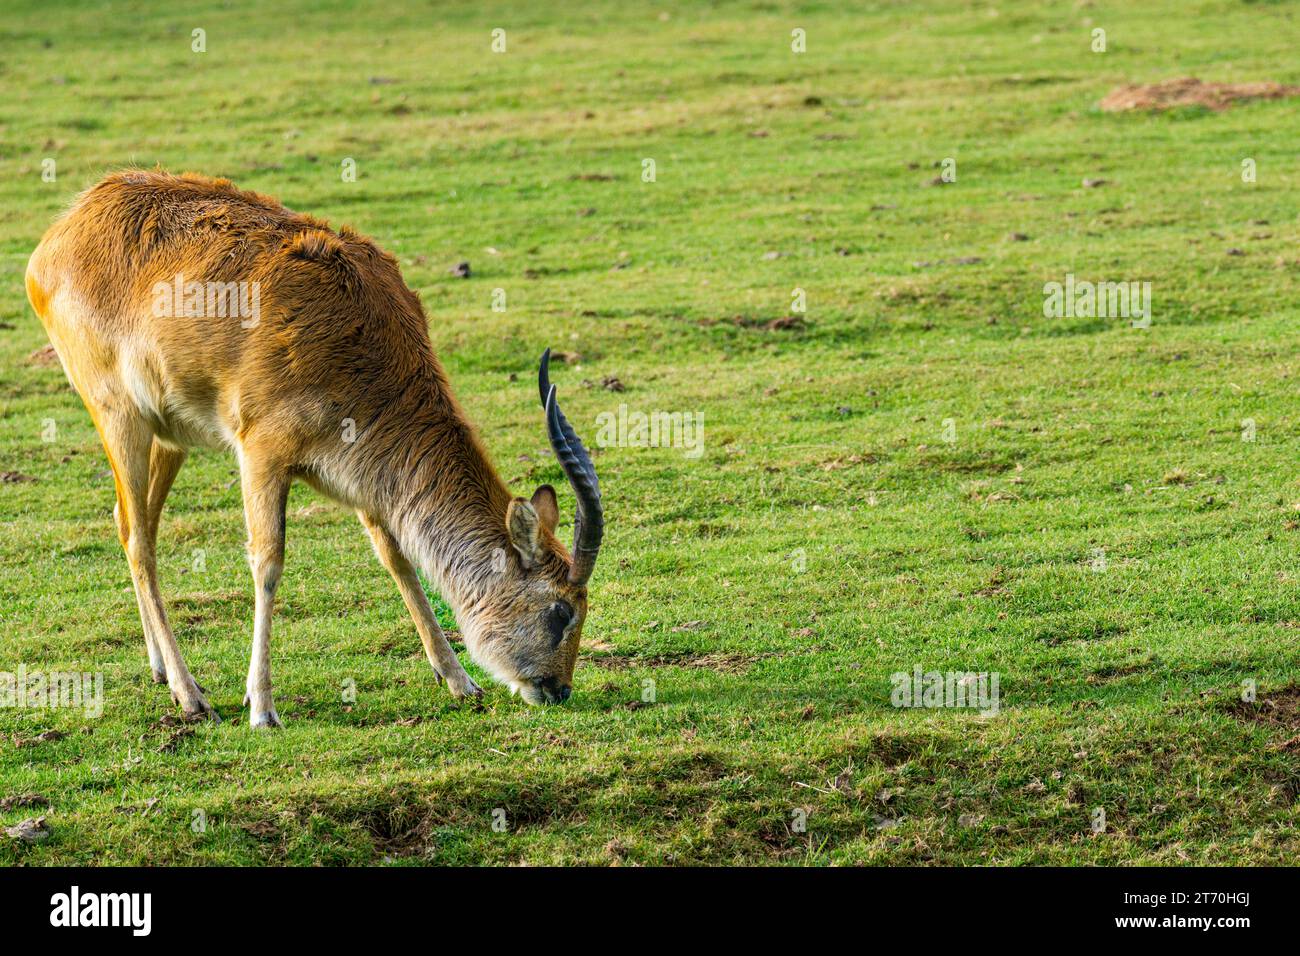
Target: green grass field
(921,470)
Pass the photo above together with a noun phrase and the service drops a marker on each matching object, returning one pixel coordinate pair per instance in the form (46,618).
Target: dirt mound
(43,356)
(1190,91)
(722,663)
(1279,708)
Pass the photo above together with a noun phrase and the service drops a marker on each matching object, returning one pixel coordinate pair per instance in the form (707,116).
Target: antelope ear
(548,508)
(522,524)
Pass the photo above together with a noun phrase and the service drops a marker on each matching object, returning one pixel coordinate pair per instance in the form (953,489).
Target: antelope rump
(188,313)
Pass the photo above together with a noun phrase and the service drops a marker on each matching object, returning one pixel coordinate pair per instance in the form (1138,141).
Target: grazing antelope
(329,378)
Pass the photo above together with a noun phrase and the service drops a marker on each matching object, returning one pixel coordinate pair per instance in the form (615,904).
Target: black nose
(554,691)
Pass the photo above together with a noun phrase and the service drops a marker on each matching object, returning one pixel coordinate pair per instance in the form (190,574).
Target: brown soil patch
(785,323)
(1104,675)
(48,737)
(24,800)
(1189,91)
(1280,708)
(43,356)
(722,663)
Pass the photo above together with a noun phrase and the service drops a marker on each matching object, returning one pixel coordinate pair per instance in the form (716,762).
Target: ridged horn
(589,519)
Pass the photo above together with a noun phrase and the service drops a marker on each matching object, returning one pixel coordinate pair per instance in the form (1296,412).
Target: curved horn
(589,521)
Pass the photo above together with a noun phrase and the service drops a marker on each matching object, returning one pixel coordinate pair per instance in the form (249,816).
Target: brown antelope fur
(339,337)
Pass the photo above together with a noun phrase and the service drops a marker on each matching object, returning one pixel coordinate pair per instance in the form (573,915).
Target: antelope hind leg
(127,442)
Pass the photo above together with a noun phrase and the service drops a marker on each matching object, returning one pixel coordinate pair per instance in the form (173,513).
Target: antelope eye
(558,618)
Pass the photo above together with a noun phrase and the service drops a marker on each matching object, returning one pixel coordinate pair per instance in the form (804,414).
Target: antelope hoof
(196,707)
(264,718)
(199,711)
(463,688)
(262,712)
(159,675)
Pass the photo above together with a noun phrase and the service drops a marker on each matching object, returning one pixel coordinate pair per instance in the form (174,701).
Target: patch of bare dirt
(1279,708)
(47,737)
(43,356)
(1110,672)
(261,829)
(785,323)
(996,586)
(173,741)
(722,663)
(1189,91)
(24,800)
(139,809)
(848,461)
(30,831)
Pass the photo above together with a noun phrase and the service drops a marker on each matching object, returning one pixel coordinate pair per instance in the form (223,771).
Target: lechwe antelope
(189,313)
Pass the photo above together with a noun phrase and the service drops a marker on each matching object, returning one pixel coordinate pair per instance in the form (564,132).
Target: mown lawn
(919,470)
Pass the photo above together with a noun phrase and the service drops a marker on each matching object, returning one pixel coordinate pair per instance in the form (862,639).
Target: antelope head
(526,629)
